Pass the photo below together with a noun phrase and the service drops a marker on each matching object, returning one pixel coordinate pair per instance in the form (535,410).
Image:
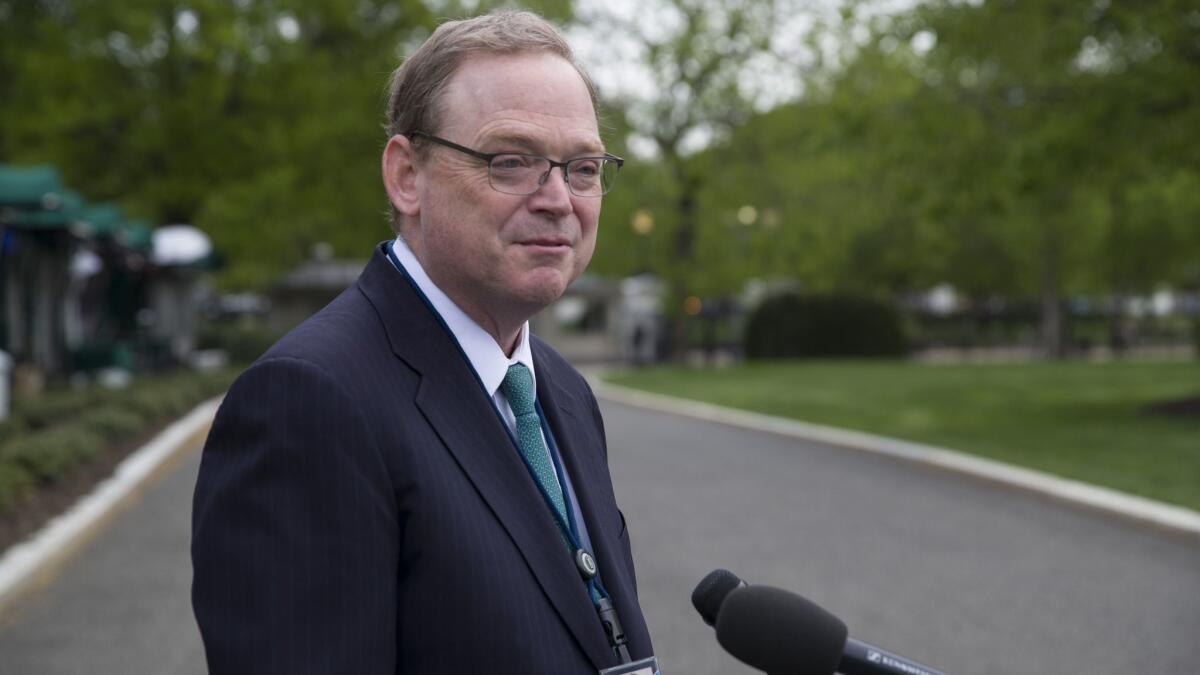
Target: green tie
(518,389)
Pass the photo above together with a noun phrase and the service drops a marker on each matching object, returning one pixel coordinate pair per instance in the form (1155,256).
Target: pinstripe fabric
(353,514)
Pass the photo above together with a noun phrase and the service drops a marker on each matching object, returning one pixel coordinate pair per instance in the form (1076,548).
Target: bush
(792,325)
(51,408)
(114,423)
(49,436)
(160,401)
(49,454)
(12,427)
(215,382)
(242,343)
(15,484)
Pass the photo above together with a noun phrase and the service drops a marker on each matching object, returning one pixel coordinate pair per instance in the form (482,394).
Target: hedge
(793,325)
(48,437)
(243,344)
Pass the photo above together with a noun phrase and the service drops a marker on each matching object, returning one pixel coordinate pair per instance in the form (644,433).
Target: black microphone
(784,634)
(711,592)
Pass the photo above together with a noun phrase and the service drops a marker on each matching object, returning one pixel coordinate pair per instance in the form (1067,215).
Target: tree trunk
(679,288)
(1053,320)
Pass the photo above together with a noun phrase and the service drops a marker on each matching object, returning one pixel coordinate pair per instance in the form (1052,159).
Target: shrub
(114,423)
(158,402)
(51,408)
(795,325)
(49,436)
(15,485)
(215,382)
(242,343)
(49,454)
(12,427)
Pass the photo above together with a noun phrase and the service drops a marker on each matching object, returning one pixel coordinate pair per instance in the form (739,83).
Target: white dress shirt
(488,360)
(484,354)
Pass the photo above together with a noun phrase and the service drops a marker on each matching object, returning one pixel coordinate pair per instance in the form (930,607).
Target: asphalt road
(122,604)
(965,576)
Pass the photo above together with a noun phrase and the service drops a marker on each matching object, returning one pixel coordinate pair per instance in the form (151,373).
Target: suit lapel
(464,418)
(584,461)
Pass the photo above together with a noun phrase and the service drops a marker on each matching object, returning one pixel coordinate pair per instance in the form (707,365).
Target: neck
(508,345)
(505,331)
(506,334)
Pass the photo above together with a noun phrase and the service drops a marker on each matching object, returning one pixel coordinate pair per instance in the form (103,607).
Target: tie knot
(518,389)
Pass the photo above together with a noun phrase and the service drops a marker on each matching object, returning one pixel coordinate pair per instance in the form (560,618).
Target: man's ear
(402,175)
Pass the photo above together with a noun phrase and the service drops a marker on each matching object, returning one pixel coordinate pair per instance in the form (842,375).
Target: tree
(1013,149)
(697,53)
(1076,114)
(257,121)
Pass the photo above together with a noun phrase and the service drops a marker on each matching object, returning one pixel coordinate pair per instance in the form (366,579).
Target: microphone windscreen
(780,632)
(711,592)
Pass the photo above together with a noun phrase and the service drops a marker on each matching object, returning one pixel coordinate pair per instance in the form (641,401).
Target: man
(409,481)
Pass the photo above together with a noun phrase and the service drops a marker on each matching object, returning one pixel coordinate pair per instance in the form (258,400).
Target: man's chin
(544,286)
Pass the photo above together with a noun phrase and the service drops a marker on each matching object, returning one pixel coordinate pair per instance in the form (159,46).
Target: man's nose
(552,195)
(546,176)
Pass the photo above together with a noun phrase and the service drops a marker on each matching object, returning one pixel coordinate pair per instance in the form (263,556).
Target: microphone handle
(860,658)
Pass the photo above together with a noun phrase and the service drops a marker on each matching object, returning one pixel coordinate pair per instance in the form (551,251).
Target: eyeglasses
(522,174)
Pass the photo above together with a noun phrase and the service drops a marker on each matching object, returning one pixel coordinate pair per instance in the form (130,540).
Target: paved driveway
(968,577)
(122,604)
(962,575)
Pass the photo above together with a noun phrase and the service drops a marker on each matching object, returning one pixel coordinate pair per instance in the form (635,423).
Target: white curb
(1091,496)
(23,561)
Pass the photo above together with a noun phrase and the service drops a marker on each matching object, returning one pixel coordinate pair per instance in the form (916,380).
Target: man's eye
(511,162)
(585,167)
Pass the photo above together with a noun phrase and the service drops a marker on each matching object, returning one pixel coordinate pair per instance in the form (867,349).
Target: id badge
(647,666)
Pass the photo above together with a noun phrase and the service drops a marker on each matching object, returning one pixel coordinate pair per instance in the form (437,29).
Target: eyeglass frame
(489,156)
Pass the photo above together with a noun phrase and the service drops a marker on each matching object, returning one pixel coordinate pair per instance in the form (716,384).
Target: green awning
(37,187)
(68,204)
(34,197)
(99,220)
(137,235)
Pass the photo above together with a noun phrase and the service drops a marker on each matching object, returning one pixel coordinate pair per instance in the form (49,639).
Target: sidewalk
(32,562)
(121,603)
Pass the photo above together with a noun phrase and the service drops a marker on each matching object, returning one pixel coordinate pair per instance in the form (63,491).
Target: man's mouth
(547,242)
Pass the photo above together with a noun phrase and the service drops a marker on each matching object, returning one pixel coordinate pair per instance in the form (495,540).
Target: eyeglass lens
(524,174)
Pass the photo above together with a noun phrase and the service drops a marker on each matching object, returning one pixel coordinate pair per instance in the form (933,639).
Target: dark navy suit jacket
(361,509)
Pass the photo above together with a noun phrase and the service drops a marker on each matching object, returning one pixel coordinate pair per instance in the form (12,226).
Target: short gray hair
(415,92)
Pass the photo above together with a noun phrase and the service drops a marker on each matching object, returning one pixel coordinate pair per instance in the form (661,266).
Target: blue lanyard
(569,529)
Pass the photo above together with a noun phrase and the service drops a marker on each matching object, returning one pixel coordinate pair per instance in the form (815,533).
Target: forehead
(539,95)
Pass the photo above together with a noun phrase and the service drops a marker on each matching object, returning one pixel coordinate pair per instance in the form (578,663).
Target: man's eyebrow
(512,140)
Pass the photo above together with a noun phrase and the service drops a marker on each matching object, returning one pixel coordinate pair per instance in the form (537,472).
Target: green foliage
(15,484)
(12,426)
(43,411)
(49,454)
(696,52)
(257,121)
(790,325)
(1027,150)
(113,422)
(242,343)
(161,400)
(51,435)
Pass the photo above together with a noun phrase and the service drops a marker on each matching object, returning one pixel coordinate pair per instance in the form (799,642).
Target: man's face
(504,257)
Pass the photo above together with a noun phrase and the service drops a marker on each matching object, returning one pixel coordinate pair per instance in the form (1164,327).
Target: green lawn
(1079,420)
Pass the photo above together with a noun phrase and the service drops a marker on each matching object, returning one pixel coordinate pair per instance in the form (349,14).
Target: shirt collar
(481,349)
